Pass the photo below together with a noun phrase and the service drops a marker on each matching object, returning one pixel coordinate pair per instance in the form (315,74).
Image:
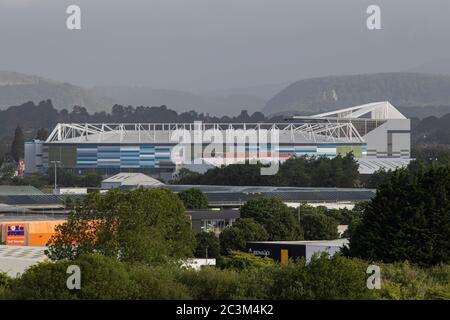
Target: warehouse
(373,132)
(282,251)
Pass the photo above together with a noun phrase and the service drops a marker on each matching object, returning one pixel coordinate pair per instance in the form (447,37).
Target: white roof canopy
(378,110)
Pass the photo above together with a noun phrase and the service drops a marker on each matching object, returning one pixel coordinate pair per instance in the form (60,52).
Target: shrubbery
(247,277)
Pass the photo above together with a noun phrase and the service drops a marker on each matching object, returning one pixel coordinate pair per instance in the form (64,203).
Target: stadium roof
(376,110)
(163,133)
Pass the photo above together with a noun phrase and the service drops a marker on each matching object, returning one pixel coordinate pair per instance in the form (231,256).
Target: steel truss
(314,132)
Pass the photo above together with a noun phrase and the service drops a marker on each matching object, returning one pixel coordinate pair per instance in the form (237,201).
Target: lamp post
(55,163)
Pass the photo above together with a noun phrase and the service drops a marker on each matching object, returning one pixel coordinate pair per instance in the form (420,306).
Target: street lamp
(55,163)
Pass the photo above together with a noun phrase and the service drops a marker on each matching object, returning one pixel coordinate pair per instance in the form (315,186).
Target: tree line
(340,171)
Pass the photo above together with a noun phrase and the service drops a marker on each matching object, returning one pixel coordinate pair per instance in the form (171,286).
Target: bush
(404,281)
(240,261)
(101,278)
(5,284)
(211,284)
(322,279)
(158,283)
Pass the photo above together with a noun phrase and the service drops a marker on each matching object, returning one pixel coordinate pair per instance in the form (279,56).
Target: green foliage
(323,278)
(67,179)
(236,236)
(244,277)
(377,178)
(207,240)
(409,219)
(237,260)
(210,283)
(5,283)
(101,278)
(64,179)
(193,199)
(318,226)
(280,221)
(404,281)
(432,154)
(157,283)
(45,280)
(138,226)
(18,145)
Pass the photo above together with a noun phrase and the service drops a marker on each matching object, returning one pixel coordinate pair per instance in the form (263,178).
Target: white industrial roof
(133,179)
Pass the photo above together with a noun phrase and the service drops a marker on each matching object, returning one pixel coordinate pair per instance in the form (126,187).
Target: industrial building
(377,134)
(282,251)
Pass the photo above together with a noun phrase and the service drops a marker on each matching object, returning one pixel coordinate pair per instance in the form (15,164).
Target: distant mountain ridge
(327,93)
(17,88)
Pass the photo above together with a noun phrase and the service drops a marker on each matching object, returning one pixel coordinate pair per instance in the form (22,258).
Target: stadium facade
(377,134)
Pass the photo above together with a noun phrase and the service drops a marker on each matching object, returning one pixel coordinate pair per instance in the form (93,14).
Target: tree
(318,226)
(237,236)
(408,219)
(193,199)
(207,241)
(280,221)
(138,226)
(18,145)
(42,134)
(377,178)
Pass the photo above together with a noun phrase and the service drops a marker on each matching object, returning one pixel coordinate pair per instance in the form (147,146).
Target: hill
(17,88)
(328,93)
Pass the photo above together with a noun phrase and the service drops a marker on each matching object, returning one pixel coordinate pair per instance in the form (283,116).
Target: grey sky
(204,45)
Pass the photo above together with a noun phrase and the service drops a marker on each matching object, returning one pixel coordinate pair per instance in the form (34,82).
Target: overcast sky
(202,45)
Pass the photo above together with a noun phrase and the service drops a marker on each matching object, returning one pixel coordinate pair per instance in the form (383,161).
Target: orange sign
(15,234)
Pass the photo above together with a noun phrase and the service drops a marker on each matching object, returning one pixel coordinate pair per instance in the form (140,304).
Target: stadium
(377,134)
